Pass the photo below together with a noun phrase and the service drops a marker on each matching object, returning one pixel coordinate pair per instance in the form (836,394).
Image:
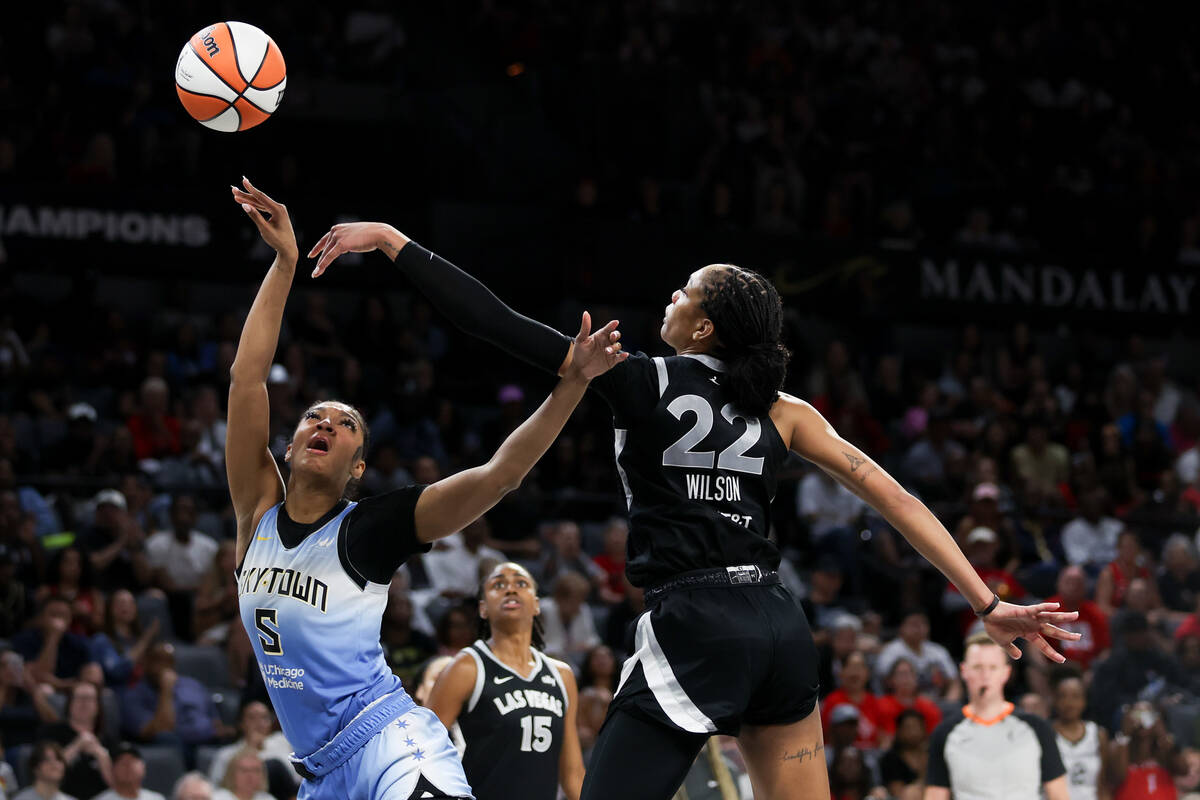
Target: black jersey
(698,475)
(513,728)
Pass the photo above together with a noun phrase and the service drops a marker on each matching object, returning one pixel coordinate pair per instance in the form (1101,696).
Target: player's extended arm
(459,296)
(570,758)
(1057,789)
(448,698)
(454,502)
(807,433)
(254,480)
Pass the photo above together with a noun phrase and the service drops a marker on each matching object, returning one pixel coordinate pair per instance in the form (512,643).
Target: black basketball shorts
(710,659)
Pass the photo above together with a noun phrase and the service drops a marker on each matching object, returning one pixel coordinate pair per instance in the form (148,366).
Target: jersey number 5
(535,734)
(732,458)
(266,620)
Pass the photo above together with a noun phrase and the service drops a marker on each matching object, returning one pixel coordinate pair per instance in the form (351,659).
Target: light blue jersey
(315,632)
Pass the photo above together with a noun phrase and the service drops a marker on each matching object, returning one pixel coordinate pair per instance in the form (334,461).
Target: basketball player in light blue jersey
(313,568)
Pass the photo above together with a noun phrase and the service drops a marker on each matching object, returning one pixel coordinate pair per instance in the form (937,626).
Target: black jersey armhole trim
(343,549)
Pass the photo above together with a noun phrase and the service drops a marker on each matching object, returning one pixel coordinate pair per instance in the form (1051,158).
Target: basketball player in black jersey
(514,705)
(722,647)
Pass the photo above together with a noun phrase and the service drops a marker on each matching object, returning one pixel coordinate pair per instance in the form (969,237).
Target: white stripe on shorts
(661,679)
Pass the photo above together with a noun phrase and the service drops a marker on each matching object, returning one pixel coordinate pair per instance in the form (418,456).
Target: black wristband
(990,606)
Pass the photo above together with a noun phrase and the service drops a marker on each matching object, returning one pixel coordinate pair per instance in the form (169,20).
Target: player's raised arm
(254,481)
(459,296)
(807,433)
(452,503)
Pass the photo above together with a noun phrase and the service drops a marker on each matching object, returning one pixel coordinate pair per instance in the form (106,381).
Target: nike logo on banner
(502,680)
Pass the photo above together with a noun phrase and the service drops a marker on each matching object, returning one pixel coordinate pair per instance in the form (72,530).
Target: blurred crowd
(1067,468)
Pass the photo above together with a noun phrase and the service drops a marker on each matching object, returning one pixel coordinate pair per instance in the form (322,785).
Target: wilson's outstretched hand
(1009,622)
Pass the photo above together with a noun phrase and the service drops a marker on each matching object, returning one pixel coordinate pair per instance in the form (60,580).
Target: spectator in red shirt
(1092,623)
(855,677)
(981,547)
(1113,582)
(901,683)
(155,432)
(612,561)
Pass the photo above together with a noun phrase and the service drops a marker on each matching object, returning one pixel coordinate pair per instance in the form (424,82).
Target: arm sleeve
(1051,765)
(382,533)
(937,774)
(476,311)
(630,388)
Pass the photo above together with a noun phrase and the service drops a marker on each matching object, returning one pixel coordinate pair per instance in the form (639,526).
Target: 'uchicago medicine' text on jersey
(312,598)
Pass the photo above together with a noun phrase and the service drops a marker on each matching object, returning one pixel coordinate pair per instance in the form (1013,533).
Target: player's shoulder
(561,667)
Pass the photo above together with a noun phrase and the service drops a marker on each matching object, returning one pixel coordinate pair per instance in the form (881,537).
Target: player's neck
(308,501)
(515,649)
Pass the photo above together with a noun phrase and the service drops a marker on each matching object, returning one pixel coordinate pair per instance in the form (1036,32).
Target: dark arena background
(983,219)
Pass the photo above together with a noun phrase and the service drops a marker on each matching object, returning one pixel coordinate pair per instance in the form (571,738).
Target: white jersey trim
(661,366)
(619,435)
(712,362)
(487,651)
(554,665)
(479,679)
(661,679)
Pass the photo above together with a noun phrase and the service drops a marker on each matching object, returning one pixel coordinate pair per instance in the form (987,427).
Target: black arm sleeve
(1051,764)
(475,310)
(381,533)
(937,773)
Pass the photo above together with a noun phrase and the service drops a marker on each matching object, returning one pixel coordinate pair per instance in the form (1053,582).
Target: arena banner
(112,226)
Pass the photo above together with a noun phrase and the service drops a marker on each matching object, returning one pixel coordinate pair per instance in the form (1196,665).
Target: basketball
(230,76)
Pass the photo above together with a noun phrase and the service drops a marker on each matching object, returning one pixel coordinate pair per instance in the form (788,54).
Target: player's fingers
(1013,650)
(1041,608)
(255,216)
(1047,649)
(608,328)
(1059,633)
(615,335)
(585,326)
(614,348)
(260,195)
(327,258)
(320,245)
(1051,617)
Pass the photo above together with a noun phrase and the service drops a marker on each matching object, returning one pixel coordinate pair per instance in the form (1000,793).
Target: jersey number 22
(732,458)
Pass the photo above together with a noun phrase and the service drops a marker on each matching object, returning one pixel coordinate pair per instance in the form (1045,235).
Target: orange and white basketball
(230,76)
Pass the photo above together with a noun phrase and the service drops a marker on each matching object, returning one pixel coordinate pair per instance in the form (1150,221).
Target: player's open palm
(596,353)
(1009,622)
(276,228)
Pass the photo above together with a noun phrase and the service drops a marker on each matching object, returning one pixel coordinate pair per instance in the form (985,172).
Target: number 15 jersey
(699,475)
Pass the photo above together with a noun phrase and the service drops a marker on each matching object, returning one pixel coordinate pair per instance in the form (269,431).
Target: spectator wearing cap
(842,734)
(180,558)
(853,691)
(1114,578)
(52,653)
(47,766)
(155,431)
(984,512)
(834,646)
(192,786)
(78,452)
(935,668)
(1041,466)
(981,548)
(1092,624)
(1090,539)
(115,545)
(128,770)
(1134,662)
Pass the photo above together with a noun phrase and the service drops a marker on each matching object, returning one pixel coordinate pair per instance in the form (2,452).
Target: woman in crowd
(901,685)
(599,669)
(120,646)
(902,767)
(81,735)
(1114,579)
(256,724)
(70,578)
(47,766)
(1145,758)
(852,690)
(245,778)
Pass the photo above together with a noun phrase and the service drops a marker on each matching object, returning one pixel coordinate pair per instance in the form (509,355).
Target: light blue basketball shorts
(410,759)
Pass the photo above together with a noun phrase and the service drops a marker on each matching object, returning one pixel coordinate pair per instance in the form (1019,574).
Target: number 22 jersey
(513,727)
(698,475)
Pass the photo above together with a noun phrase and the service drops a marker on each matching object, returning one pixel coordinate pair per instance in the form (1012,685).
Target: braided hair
(747,313)
(537,640)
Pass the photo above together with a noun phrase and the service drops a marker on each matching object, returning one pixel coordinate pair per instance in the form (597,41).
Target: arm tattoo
(805,753)
(856,462)
(389,250)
